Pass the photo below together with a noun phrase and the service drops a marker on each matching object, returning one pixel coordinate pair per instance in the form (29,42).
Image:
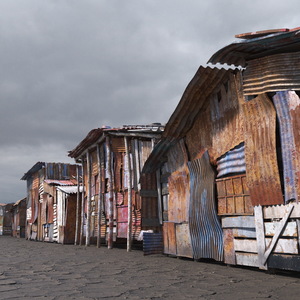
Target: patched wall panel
(260,152)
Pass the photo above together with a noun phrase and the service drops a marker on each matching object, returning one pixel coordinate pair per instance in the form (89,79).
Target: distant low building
(18,218)
(112,159)
(5,219)
(42,204)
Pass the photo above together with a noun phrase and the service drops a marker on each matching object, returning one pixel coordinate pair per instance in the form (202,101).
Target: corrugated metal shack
(112,159)
(228,162)
(5,218)
(59,210)
(42,201)
(18,218)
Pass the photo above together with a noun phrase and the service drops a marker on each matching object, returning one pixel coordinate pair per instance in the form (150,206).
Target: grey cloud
(70,66)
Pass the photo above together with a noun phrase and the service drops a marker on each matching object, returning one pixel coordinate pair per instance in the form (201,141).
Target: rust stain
(229,253)
(178,197)
(260,152)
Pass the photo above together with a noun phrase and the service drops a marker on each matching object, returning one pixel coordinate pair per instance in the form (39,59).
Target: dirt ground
(53,271)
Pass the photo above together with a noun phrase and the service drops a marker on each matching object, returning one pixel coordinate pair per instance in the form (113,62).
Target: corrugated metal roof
(19,201)
(240,52)
(192,101)
(61,182)
(89,140)
(97,134)
(273,73)
(39,165)
(70,189)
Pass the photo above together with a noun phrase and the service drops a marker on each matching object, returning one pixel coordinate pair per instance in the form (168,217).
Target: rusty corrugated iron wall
(272,73)
(260,152)
(287,104)
(205,228)
(179,196)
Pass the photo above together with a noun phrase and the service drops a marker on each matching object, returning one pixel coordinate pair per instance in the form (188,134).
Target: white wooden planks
(288,246)
(247,259)
(239,222)
(278,211)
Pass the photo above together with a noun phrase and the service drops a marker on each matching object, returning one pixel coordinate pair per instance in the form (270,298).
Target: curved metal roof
(238,53)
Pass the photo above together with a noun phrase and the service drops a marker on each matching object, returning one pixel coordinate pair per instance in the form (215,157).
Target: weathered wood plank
(244,232)
(260,236)
(290,229)
(278,211)
(247,259)
(240,222)
(288,246)
(229,254)
(277,234)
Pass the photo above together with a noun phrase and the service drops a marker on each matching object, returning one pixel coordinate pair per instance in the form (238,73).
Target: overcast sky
(68,66)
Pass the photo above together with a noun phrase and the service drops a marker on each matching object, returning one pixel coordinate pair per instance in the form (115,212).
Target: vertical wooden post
(110,208)
(88,220)
(260,236)
(129,184)
(82,203)
(159,199)
(138,168)
(77,206)
(99,197)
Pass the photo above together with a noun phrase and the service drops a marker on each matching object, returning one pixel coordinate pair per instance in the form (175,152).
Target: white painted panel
(244,232)
(290,229)
(247,259)
(240,222)
(278,211)
(288,246)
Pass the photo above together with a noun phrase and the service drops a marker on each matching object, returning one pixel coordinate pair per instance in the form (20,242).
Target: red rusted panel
(260,152)
(122,213)
(122,230)
(122,221)
(120,198)
(179,197)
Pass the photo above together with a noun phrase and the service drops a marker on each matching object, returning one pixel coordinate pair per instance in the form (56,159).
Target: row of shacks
(220,181)
(13,218)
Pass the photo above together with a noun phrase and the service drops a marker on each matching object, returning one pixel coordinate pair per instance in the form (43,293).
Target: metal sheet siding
(179,196)
(286,103)
(152,243)
(272,73)
(232,162)
(177,157)
(260,152)
(205,229)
